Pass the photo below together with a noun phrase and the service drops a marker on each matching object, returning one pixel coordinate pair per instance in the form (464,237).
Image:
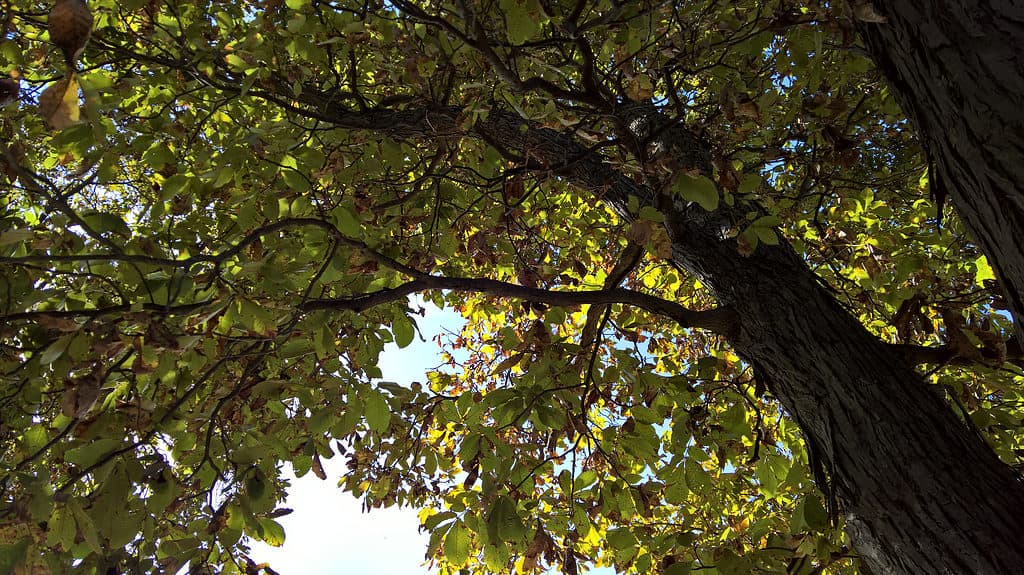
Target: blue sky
(328,533)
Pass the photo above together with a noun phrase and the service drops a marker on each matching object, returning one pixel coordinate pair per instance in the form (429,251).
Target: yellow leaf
(58,104)
(983,270)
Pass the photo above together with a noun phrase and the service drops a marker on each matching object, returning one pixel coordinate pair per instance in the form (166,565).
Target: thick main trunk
(921,493)
(957,68)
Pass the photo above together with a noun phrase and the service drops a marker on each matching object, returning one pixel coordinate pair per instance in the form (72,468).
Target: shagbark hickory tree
(712,323)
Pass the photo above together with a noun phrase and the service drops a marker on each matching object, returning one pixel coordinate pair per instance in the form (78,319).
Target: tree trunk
(921,493)
(957,68)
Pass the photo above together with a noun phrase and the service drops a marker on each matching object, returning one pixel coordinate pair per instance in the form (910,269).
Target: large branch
(220,257)
(717,320)
(870,420)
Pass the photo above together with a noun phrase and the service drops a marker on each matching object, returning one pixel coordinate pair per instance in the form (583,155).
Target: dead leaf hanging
(58,104)
(8,91)
(70,25)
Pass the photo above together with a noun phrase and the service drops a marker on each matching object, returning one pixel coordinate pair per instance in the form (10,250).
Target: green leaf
(676,492)
(177,184)
(521,21)
(295,181)
(15,236)
(87,455)
(503,522)
(622,539)
(698,189)
(651,214)
(55,349)
(392,152)
(162,495)
(347,221)
(456,544)
(749,183)
(677,569)
(295,348)
(983,270)
(436,519)
(586,479)
(496,557)
(271,532)
(646,415)
(815,514)
(404,331)
(769,221)
(12,555)
(731,564)
(158,156)
(378,413)
(61,529)
(180,549)
(86,527)
(696,477)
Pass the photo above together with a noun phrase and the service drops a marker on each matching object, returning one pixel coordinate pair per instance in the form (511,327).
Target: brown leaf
(729,179)
(70,26)
(318,468)
(541,544)
(569,567)
(8,91)
(748,108)
(472,474)
(864,11)
(81,394)
(744,245)
(58,104)
(640,231)
(61,324)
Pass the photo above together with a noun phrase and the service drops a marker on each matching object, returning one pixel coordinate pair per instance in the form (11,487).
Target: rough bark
(957,68)
(921,493)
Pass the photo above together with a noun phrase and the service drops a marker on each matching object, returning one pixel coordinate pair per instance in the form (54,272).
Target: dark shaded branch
(30,180)
(98,312)
(720,320)
(948,355)
(230,252)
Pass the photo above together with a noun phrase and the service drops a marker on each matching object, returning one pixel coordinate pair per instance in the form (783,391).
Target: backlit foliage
(199,276)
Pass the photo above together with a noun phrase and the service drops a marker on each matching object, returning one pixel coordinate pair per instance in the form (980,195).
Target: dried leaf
(8,91)
(864,11)
(58,104)
(318,468)
(70,25)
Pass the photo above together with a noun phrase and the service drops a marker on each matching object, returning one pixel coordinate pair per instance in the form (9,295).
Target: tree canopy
(715,320)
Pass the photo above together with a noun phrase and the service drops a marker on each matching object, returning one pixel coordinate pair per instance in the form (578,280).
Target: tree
(711,320)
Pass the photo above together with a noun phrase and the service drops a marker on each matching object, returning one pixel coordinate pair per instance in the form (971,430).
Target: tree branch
(719,320)
(97,312)
(232,251)
(948,355)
